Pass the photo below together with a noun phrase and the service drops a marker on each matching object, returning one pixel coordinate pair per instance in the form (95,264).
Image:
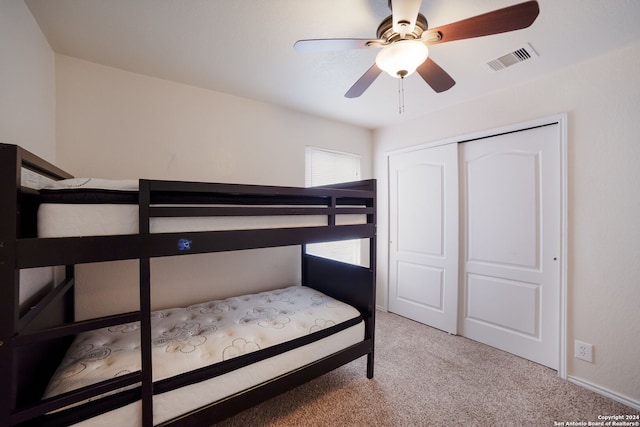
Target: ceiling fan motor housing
(385,30)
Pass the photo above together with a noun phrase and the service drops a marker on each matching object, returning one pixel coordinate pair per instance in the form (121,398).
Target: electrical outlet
(584,351)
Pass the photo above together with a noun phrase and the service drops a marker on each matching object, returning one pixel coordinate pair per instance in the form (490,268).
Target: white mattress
(203,334)
(68,220)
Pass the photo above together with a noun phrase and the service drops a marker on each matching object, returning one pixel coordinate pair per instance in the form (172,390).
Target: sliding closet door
(423,228)
(510,226)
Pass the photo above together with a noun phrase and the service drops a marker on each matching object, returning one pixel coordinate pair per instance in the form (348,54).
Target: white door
(423,232)
(510,230)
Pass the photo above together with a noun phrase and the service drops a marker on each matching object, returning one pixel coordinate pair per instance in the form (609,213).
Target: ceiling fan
(405,35)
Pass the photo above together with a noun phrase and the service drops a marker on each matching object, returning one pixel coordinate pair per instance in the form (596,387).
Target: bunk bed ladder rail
(22,331)
(17,212)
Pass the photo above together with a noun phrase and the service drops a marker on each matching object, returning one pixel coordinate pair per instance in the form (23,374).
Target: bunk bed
(37,333)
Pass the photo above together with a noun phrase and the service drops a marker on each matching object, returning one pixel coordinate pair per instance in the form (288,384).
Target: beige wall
(602,99)
(116,124)
(27,82)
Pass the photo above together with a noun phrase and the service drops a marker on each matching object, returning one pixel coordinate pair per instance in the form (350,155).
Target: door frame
(561,121)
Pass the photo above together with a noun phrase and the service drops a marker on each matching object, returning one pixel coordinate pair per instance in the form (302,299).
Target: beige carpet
(425,377)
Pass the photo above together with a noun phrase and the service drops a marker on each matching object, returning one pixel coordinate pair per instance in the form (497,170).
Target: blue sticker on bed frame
(184,244)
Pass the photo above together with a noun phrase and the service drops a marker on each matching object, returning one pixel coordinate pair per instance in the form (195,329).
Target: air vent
(523,54)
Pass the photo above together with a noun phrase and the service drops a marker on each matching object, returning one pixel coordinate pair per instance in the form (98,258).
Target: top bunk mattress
(98,207)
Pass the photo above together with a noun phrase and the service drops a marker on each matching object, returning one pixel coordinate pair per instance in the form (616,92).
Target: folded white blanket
(93,183)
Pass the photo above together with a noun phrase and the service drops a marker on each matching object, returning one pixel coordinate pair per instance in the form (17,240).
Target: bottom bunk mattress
(185,339)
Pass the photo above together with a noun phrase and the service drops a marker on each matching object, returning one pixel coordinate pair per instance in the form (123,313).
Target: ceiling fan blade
(324,45)
(405,13)
(435,76)
(510,18)
(363,82)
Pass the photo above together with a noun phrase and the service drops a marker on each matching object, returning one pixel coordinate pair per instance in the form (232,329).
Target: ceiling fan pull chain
(401,95)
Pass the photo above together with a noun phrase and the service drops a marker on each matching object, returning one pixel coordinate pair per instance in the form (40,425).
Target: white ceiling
(245,47)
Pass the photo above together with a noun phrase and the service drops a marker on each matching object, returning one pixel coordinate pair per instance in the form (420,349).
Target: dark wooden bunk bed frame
(33,342)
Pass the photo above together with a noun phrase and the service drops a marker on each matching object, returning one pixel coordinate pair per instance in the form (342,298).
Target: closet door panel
(419,209)
(510,229)
(503,208)
(423,269)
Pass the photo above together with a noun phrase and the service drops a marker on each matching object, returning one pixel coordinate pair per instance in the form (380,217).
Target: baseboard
(606,393)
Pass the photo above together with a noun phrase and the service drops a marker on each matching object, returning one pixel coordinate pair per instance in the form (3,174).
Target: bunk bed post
(9,275)
(331,220)
(371,219)
(144,202)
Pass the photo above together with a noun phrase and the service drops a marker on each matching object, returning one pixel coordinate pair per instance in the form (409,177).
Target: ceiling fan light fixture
(401,58)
